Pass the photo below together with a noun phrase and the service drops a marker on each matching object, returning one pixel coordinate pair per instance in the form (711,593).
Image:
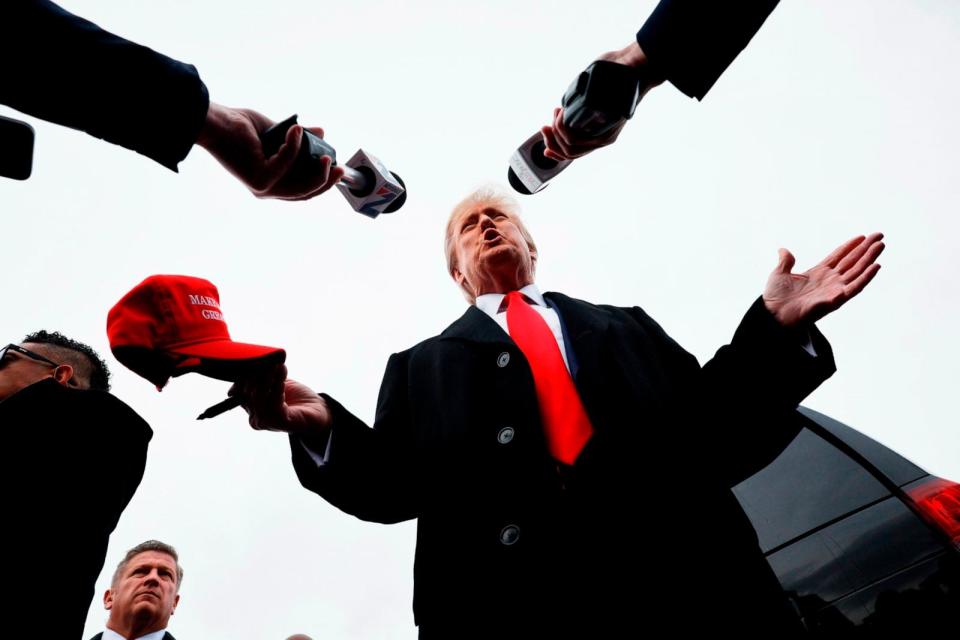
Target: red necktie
(565,422)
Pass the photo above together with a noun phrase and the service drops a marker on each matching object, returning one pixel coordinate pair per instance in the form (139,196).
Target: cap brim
(226,350)
(225,359)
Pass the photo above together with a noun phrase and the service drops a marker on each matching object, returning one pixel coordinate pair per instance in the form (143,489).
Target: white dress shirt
(490,304)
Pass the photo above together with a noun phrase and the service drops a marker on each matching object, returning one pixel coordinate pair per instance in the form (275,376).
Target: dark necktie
(565,423)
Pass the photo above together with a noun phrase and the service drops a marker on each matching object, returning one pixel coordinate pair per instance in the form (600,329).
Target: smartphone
(16,149)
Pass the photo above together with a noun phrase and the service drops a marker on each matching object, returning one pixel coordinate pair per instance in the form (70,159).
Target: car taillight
(939,501)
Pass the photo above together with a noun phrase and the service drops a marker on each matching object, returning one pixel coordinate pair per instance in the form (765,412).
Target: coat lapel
(476,326)
(583,325)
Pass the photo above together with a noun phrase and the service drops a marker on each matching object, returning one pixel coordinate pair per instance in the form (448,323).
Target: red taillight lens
(939,500)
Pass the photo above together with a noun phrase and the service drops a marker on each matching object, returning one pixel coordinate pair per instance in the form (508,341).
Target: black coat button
(510,534)
(503,359)
(505,435)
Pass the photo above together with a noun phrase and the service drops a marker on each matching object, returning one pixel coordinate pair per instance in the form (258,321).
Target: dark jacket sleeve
(62,68)
(740,405)
(371,472)
(692,42)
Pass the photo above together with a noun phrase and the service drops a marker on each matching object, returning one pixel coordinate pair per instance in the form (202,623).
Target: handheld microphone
(601,98)
(367,184)
(16,149)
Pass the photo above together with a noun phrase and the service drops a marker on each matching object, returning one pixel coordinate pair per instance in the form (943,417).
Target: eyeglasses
(26,352)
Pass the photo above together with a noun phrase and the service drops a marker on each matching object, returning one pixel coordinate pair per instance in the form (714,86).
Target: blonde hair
(143,547)
(490,196)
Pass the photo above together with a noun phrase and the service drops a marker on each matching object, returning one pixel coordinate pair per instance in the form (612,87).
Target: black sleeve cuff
(692,42)
(778,352)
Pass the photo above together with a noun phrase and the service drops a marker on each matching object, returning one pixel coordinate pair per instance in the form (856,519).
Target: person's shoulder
(610,311)
(424,346)
(50,400)
(112,406)
(472,324)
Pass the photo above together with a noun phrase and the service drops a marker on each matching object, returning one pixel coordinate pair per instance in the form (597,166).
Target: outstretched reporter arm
(67,70)
(64,69)
(687,42)
(692,42)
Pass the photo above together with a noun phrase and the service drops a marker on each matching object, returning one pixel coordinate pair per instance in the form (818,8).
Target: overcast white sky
(839,119)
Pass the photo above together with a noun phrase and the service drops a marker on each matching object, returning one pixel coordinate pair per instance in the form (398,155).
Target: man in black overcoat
(73,457)
(640,524)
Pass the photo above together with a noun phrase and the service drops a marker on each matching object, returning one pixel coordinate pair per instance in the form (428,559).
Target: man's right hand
(563,144)
(275,403)
(232,136)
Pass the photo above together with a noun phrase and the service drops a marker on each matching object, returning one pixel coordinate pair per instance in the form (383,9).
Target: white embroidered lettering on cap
(204,300)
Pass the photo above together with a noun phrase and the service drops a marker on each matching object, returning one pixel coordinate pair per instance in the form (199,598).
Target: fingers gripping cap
(167,326)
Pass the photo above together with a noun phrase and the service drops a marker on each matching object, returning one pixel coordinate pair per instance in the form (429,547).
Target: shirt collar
(110,634)
(489,303)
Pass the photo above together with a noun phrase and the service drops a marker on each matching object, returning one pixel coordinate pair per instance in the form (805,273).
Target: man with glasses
(22,367)
(73,457)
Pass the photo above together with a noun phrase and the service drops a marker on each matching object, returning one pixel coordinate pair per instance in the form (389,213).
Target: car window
(807,486)
(866,547)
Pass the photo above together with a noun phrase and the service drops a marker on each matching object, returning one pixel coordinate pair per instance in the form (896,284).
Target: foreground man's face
(492,255)
(146,590)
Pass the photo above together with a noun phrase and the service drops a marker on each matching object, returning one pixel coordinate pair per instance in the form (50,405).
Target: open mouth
(491,234)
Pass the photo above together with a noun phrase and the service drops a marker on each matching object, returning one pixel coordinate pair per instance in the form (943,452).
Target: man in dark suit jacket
(513,540)
(143,594)
(73,457)
(59,67)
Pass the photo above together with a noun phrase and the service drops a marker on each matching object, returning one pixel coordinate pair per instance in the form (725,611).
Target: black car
(863,541)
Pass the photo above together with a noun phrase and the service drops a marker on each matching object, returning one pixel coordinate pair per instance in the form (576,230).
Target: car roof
(890,463)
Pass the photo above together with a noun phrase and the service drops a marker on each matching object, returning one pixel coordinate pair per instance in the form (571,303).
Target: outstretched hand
(277,404)
(232,136)
(805,298)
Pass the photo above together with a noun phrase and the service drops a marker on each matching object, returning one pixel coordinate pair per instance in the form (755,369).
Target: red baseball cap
(167,326)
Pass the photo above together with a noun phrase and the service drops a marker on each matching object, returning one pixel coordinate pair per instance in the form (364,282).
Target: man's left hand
(796,299)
